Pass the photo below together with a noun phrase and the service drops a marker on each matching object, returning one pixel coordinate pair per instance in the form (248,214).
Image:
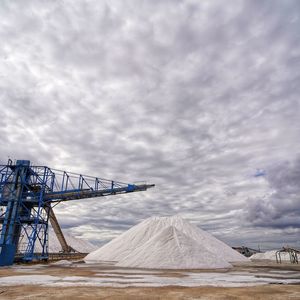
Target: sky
(200,98)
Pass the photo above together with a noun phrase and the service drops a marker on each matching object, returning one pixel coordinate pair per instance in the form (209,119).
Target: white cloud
(193,96)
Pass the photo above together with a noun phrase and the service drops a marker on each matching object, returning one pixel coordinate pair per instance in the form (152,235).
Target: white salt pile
(55,247)
(170,248)
(167,243)
(79,245)
(270,255)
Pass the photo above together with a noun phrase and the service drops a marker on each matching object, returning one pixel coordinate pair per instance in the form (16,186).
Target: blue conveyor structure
(27,194)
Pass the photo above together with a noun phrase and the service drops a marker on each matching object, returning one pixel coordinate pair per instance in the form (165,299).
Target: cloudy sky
(199,97)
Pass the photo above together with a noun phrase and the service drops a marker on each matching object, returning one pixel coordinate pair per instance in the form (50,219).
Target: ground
(273,292)
(268,281)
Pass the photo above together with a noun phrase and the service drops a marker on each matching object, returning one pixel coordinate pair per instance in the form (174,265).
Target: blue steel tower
(27,194)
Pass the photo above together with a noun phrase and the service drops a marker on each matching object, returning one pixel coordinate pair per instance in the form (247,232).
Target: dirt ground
(273,292)
(268,291)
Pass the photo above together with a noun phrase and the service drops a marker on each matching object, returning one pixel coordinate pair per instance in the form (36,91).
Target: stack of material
(166,243)
(79,245)
(270,255)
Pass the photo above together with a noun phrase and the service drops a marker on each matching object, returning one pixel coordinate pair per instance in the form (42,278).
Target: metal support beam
(26,195)
(59,234)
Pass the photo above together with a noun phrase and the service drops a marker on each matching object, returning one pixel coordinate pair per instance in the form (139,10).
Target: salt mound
(172,249)
(270,255)
(79,245)
(122,246)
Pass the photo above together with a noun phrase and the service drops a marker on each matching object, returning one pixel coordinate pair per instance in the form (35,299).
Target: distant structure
(246,251)
(28,194)
(293,253)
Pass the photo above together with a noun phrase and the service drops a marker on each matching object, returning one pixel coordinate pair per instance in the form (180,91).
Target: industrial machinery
(246,251)
(293,254)
(27,196)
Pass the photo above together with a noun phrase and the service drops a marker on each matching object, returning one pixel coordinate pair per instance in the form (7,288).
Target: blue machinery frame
(26,195)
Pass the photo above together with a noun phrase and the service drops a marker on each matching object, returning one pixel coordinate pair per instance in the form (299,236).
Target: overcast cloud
(199,97)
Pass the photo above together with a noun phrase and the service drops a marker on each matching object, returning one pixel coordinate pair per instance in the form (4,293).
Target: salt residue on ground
(166,242)
(234,279)
(62,263)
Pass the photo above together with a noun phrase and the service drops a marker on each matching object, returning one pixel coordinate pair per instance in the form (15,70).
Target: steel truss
(26,195)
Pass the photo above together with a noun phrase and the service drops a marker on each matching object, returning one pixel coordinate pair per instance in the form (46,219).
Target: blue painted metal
(26,194)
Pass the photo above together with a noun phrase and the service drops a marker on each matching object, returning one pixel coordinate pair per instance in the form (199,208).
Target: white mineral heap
(172,249)
(166,242)
(54,246)
(270,255)
(79,245)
